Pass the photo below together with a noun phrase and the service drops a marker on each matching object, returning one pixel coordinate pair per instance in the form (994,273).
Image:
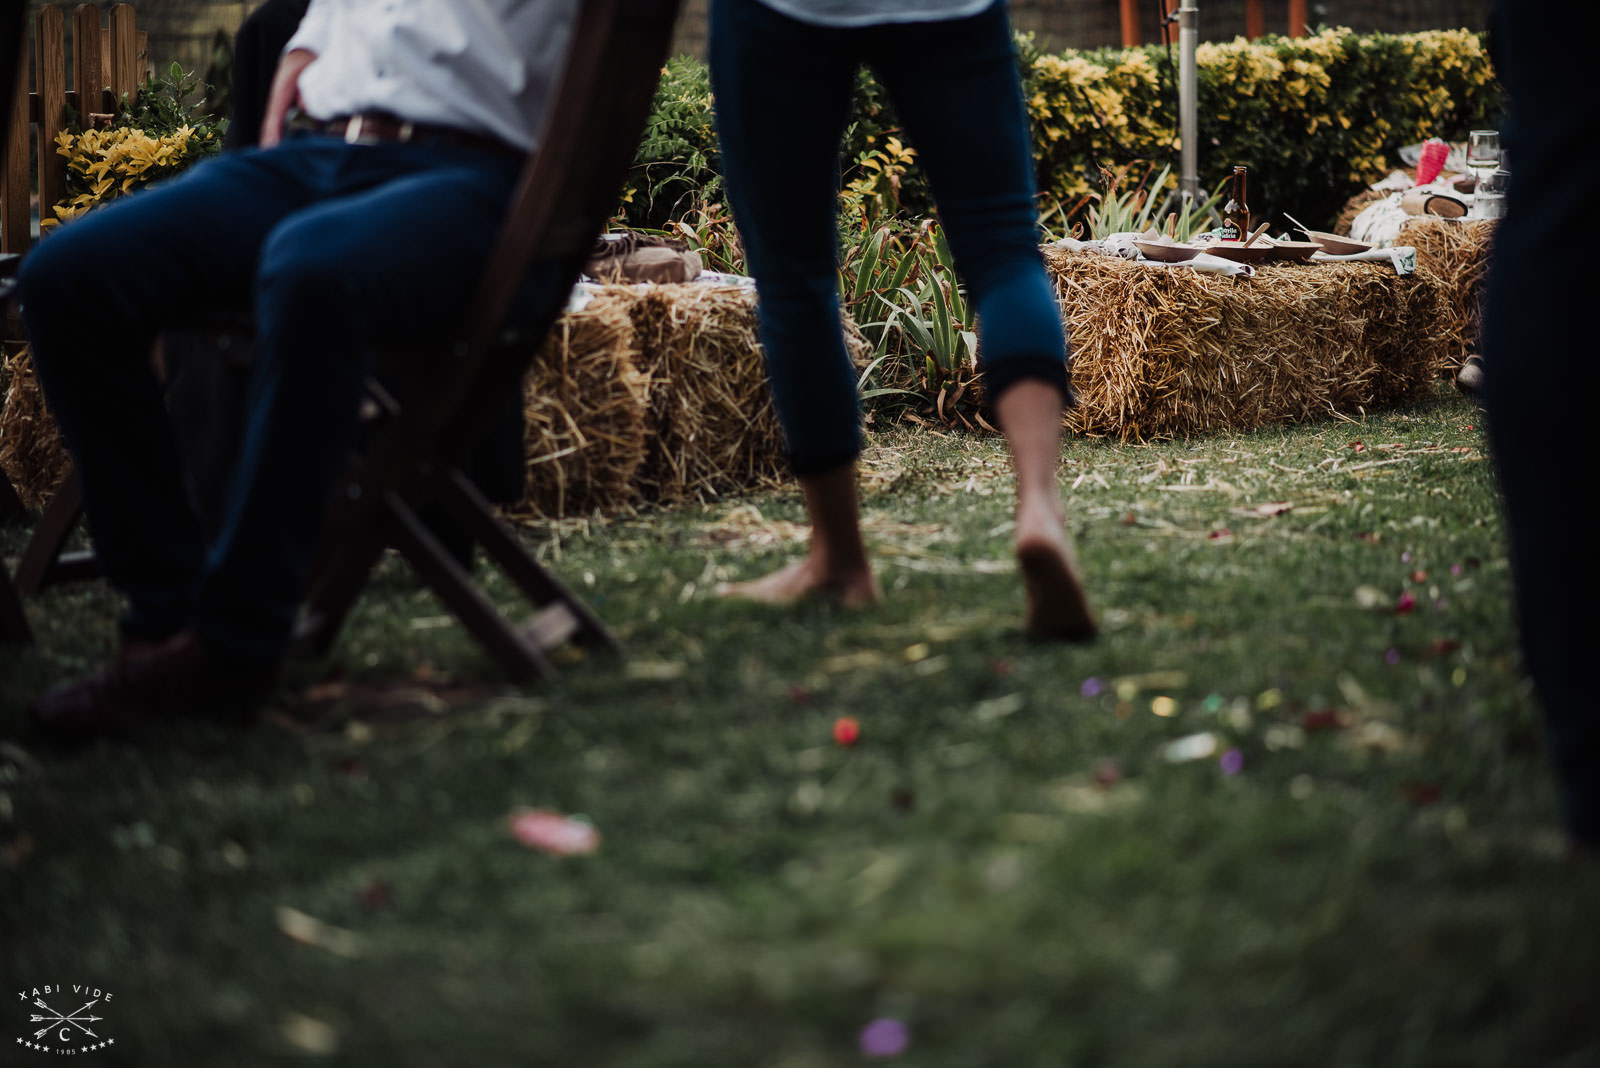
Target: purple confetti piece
(1091,687)
(884,1037)
(1455,569)
(1405,557)
(1392,657)
(1232,762)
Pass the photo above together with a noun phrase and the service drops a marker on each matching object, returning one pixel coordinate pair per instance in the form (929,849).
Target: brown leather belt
(372,128)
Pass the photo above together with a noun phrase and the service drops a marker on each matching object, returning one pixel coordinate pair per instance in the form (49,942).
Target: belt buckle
(352,129)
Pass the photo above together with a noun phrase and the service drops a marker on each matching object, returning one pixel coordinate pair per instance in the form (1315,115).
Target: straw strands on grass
(32,453)
(1455,256)
(1161,352)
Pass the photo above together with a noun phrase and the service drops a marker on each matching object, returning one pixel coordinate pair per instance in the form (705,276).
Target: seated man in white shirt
(365,222)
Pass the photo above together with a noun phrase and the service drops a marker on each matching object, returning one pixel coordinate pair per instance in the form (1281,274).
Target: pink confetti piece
(1405,604)
(884,1037)
(554,833)
(1392,657)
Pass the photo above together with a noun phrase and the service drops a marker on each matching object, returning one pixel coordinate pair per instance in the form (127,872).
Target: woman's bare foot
(1057,608)
(806,578)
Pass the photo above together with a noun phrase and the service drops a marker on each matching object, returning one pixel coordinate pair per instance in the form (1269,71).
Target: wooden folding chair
(431,418)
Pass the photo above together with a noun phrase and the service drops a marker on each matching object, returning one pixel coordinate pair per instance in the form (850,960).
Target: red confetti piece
(800,695)
(376,895)
(846,730)
(1356,445)
(1420,793)
(351,766)
(1107,774)
(1405,604)
(1419,576)
(1002,667)
(1220,533)
(553,832)
(1369,537)
(1443,647)
(1321,719)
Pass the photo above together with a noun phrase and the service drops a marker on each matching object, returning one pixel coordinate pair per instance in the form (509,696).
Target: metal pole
(1188,92)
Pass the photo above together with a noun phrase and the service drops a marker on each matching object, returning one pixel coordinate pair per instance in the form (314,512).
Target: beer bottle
(1236,212)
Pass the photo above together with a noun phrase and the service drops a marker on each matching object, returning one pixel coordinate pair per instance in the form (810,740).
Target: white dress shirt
(487,66)
(874,12)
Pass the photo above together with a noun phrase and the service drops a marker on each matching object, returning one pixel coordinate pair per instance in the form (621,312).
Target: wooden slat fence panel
(109,62)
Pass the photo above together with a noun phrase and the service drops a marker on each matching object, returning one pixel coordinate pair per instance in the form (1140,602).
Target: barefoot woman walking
(782,73)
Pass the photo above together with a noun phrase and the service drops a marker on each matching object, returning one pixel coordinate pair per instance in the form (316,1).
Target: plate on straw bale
(1334,245)
(1238,252)
(1166,251)
(1292,251)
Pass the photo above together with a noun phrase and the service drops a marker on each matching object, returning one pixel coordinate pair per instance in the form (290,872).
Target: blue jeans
(783,90)
(336,249)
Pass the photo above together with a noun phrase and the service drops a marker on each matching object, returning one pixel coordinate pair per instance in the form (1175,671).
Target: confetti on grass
(846,730)
(554,833)
(884,1038)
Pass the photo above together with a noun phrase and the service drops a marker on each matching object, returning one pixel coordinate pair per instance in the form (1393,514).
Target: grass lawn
(1291,808)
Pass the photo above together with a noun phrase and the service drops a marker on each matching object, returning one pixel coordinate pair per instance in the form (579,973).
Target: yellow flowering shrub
(103,164)
(1313,117)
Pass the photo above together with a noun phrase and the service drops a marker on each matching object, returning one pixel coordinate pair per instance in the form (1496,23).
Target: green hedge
(1314,118)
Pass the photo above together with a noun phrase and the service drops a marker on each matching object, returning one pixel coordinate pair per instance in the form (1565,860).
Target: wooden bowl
(1165,251)
(1238,253)
(1293,251)
(1334,245)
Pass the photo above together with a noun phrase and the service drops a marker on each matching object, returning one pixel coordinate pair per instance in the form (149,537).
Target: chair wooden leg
(11,506)
(469,508)
(42,563)
(517,652)
(13,623)
(340,577)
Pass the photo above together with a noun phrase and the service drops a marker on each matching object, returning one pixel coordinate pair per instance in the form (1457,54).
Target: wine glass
(1483,152)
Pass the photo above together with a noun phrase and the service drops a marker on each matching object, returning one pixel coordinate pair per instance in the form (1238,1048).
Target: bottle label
(1230,231)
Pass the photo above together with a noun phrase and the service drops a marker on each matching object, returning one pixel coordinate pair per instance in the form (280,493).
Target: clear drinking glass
(1483,152)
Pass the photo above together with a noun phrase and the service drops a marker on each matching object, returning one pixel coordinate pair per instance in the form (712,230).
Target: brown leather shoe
(179,678)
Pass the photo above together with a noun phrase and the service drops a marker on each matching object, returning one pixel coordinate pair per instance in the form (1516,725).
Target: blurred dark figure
(1538,336)
(255,56)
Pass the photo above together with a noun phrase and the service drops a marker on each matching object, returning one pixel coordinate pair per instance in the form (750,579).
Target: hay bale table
(1454,254)
(1166,352)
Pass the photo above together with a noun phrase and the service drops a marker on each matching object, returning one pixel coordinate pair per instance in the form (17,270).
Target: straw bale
(31,450)
(1160,353)
(712,427)
(1455,256)
(584,410)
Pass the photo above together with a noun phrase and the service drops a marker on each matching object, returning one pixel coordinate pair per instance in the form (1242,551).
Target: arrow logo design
(55,1019)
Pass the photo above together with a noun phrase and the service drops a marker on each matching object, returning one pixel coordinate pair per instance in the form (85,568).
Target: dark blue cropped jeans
(337,249)
(783,97)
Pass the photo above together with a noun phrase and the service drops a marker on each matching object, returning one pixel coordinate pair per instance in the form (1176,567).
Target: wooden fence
(109,57)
